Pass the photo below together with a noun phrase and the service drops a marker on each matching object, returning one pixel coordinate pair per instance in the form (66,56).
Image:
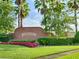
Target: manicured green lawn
(21,52)
(72,56)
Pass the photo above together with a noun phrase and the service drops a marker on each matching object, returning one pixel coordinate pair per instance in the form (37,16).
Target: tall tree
(6,19)
(22,10)
(73,5)
(55,16)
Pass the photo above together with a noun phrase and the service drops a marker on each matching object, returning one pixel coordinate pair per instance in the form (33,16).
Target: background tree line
(58,15)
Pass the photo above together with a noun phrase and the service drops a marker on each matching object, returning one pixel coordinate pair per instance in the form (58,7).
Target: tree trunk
(19,19)
(20,16)
(75,17)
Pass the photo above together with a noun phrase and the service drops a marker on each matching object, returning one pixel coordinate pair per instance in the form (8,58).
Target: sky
(34,18)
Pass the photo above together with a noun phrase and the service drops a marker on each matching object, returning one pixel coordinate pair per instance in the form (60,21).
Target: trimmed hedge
(5,37)
(55,41)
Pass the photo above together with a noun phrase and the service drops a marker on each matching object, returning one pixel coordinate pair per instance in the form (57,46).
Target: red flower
(28,44)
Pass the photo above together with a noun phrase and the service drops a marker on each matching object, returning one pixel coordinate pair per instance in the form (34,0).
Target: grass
(71,56)
(21,52)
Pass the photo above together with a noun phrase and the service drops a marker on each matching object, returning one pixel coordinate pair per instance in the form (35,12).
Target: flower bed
(28,44)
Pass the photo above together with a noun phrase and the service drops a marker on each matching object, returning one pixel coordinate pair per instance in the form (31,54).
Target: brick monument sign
(29,33)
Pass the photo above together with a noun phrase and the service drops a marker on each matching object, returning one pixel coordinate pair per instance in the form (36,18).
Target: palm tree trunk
(75,16)
(20,16)
(19,19)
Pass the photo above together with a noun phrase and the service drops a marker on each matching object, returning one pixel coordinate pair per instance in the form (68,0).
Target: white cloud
(34,18)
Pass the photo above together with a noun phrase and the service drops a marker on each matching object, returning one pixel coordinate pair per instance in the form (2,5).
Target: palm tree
(51,10)
(74,7)
(22,12)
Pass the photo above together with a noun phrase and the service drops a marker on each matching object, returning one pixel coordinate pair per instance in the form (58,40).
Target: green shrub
(55,41)
(5,37)
(76,40)
(43,41)
(22,40)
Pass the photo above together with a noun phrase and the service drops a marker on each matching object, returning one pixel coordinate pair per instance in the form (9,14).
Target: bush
(43,41)
(22,40)
(55,41)
(76,40)
(5,37)
(28,44)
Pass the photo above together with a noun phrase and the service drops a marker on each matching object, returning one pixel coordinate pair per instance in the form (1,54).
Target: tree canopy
(7,21)
(55,15)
